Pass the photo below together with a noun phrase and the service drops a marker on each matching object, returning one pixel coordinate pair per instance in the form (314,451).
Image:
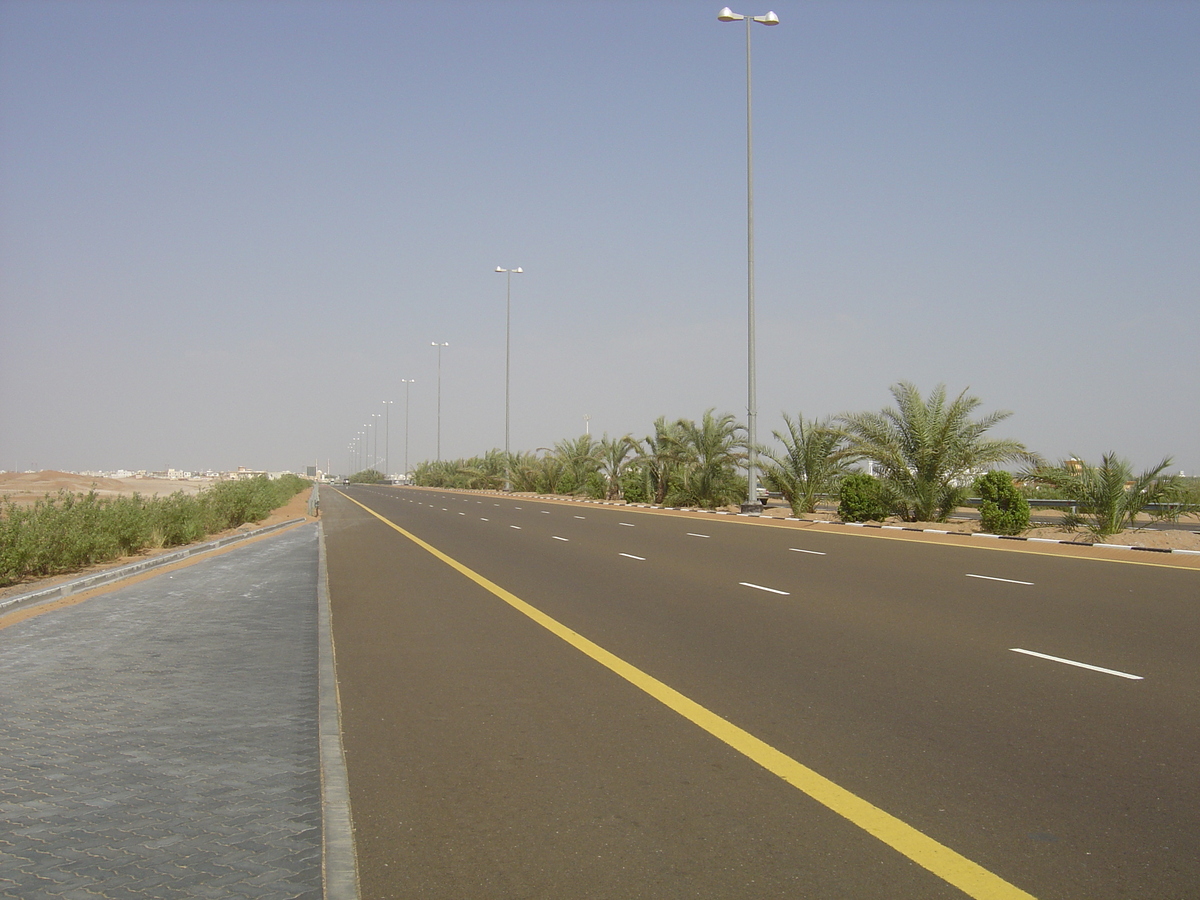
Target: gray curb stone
(339,863)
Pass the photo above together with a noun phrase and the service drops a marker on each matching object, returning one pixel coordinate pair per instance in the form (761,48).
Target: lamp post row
(725,15)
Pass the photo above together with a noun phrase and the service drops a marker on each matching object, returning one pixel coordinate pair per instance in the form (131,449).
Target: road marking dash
(813,552)
(482,519)
(518,527)
(1071,662)
(993,578)
(693,534)
(557,538)
(626,524)
(581,517)
(759,587)
(631,556)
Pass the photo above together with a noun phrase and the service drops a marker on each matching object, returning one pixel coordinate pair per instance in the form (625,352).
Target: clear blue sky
(229,229)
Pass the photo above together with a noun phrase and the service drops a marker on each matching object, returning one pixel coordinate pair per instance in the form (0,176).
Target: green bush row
(66,532)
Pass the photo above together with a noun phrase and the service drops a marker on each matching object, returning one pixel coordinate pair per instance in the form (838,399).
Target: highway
(547,699)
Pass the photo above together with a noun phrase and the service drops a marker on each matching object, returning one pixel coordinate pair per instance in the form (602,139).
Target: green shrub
(367,476)
(635,485)
(860,499)
(69,531)
(595,487)
(1004,509)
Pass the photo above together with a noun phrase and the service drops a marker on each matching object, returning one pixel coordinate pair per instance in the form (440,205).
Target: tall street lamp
(375,452)
(507,354)
(751,504)
(407,382)
(439,395)
(387,436)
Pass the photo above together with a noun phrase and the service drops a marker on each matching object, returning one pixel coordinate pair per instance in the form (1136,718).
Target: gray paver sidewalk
(161,740)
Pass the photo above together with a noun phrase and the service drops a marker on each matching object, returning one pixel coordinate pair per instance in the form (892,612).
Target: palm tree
(814,458)
(524,468)
(580,457)
(714,451)
(615,457)
(925,450)
(661,453)
(1107,498)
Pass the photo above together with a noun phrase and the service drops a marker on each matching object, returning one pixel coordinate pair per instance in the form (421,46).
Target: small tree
(814,458)
(861,499)
(712,451)
(924,448)
(615,457)
(1107,498)
(366,476)
(1004,509)
(661,455)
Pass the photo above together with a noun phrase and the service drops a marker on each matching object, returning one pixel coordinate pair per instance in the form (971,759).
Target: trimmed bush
(860,499)
(1004,509)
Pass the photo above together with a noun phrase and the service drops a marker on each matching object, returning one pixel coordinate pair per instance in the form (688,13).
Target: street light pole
(439,395)
(507,356)
(751,504)
(387,436)
(375,452)
(407,382)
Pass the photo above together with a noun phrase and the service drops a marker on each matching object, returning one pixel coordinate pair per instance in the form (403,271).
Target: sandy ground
(26,487)
(296,508)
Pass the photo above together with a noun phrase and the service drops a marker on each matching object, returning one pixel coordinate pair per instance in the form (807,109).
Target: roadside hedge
(66,532)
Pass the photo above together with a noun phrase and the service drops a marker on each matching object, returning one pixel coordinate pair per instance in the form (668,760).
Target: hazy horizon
(229,231)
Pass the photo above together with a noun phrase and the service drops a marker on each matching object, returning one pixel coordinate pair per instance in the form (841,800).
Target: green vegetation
(1004,509)
(66,532)
(367,476)
(926,455)
(813,460)
(1106,499)
(924,449)
(861,498)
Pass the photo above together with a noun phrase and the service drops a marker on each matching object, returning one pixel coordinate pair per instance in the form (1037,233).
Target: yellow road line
(952,867)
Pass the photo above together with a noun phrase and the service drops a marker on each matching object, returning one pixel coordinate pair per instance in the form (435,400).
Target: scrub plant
(1107,499)
(861,498)
(1004,509)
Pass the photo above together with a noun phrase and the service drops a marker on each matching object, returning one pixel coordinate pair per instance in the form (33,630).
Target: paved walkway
(161,740)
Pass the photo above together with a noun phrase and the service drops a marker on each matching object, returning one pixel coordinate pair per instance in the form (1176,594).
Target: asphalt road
(491,757)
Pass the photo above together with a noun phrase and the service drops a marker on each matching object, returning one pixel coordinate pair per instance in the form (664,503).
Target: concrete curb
(90,581)
(339,864)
